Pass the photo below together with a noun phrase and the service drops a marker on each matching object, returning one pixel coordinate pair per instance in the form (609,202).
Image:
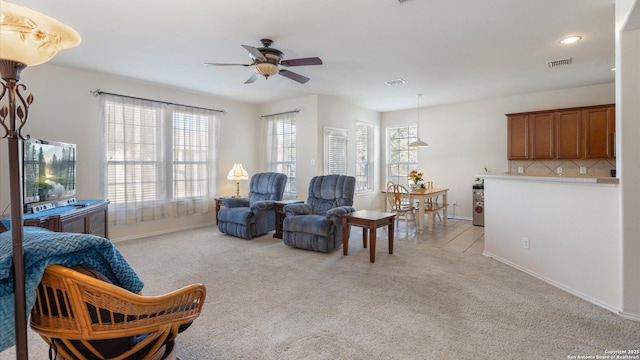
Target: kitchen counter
(559,179)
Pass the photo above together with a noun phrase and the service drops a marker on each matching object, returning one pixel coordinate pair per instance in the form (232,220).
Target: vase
(415,187)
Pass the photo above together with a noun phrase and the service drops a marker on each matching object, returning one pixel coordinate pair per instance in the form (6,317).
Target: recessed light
(613,69)
(570,39)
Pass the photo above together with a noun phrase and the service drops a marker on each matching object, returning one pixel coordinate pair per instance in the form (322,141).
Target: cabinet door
(98,223)
(542,131)
(599,131)
(73,225)
(569,135)
(518,137)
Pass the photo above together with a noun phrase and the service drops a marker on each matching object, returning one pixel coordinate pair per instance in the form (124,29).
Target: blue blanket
(42,248)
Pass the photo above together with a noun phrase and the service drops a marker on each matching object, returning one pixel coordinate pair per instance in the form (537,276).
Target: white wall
(65,110)
(465,138)
(628,148)
(572,231)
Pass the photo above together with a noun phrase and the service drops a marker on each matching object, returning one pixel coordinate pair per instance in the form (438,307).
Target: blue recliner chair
(317,225)
(253,216)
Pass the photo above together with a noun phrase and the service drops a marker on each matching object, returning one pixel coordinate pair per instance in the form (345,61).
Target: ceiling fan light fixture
(266,69)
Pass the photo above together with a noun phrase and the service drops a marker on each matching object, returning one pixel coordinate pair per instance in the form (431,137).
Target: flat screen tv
(49,170)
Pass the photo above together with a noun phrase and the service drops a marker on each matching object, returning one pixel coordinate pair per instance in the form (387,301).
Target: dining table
(431,208)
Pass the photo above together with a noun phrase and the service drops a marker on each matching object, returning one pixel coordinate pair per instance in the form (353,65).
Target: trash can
(478,205)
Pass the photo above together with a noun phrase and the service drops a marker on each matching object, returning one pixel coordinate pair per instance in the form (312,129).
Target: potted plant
(479,182)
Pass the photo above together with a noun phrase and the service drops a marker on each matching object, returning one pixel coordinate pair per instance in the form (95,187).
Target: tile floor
(456,235)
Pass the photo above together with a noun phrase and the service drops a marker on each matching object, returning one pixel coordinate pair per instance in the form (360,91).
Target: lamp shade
(266,69)
(30,37)
(237,173)
(418,144)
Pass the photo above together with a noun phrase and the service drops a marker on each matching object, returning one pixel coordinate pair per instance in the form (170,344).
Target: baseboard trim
(161,232)
(634,317)
(556,284)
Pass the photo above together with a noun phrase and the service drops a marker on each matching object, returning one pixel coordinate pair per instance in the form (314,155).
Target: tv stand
(84,216)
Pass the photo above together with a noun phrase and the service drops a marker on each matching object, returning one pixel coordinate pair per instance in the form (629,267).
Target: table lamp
(27,38)
(237,173)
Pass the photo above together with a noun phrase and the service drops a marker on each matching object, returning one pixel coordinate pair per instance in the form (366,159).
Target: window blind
(159,159)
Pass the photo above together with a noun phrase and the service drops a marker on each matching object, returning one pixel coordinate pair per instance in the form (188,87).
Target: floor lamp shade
(237,173)
(27,38)
(30,37)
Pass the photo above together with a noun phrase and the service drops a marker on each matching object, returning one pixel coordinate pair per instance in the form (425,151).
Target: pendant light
(418,143)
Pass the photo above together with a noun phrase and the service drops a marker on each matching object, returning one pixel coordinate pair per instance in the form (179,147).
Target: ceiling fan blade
(255,52)
(302,61)
(252,79)
(293,76)
(225,64)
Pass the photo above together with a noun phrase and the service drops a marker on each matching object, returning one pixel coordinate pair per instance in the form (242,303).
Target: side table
(278,208)
(218,207)
(369,221)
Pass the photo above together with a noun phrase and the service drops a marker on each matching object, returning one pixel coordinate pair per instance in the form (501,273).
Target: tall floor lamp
(27,38)
(237,173)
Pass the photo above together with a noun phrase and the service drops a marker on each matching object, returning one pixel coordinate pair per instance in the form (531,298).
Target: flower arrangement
(417,177)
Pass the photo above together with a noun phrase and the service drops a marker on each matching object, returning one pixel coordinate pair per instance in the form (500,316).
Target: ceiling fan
(266,60)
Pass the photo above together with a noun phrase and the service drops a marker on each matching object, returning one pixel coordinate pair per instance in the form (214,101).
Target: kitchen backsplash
(570,168)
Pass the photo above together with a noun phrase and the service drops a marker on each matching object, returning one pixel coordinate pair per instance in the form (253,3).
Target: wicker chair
(83,317)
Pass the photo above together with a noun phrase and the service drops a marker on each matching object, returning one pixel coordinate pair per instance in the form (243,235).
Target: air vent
(560,62)
(395,81)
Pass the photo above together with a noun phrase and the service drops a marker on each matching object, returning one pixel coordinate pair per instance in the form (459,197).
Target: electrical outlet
(525,243)
(559,170)
(454,202)
(520,170)
(583,170)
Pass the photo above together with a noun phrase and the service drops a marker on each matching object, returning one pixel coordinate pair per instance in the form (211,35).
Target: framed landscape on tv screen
(49,170)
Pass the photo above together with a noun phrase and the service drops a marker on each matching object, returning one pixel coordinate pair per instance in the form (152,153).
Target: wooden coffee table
(369,221)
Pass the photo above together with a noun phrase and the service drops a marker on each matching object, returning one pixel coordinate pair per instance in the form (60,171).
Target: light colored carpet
(266,300)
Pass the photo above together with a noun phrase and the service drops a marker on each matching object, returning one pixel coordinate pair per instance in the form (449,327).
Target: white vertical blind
(335,150)
(364,157)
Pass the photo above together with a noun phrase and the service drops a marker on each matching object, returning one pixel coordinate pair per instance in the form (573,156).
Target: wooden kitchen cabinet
(573,133)
(542,136)
(599,128)
(569,135)
(518,137)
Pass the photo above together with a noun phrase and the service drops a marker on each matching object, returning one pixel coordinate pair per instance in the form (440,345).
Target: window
(191,153)
(335,151)
(400,158)
(281,147)
(159,159)
(364,157)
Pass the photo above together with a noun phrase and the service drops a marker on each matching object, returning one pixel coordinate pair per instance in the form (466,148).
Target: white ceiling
(450,51)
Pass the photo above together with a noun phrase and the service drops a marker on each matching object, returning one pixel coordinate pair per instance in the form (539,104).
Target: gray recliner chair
(317,225)
(254,215)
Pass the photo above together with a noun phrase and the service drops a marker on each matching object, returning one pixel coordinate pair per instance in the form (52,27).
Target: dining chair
(399,201)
